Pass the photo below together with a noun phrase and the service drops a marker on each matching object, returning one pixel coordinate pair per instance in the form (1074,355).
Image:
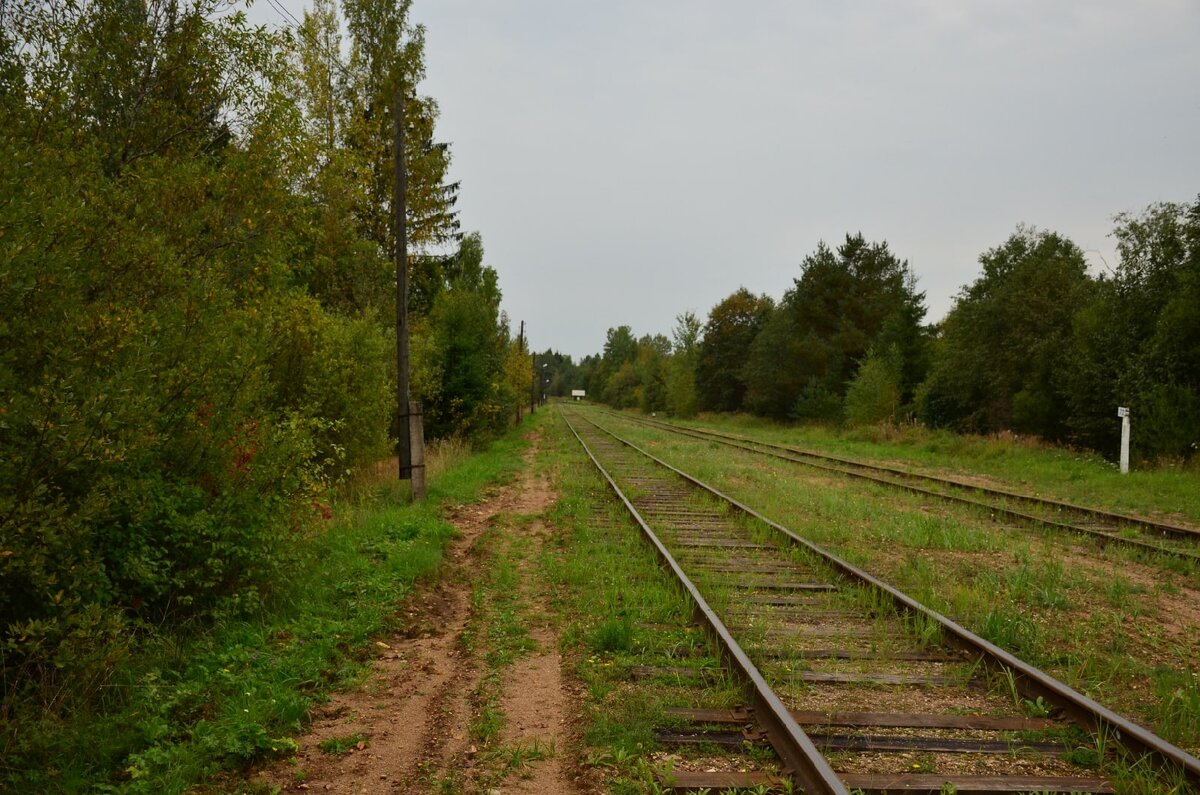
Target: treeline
(1034,345)
(198,302)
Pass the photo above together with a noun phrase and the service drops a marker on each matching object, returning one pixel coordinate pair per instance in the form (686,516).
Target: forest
(1036,345)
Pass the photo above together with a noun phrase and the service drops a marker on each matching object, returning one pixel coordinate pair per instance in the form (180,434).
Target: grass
(499,632)
(216,698)
(516,758)
(340,746)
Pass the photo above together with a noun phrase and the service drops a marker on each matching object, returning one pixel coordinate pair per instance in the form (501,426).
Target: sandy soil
(414,707)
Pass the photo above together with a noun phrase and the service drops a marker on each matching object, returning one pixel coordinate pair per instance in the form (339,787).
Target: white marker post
(1123,413)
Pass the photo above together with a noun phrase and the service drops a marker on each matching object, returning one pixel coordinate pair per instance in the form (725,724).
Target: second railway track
(1107,527)
(843,672)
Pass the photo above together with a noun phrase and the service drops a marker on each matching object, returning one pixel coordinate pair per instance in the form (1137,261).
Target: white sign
(578,393)
(1122,411)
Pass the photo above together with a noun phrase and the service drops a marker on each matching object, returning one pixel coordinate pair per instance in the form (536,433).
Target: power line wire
(331,57)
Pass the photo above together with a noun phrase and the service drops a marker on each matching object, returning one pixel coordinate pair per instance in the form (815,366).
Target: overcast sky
(628,160)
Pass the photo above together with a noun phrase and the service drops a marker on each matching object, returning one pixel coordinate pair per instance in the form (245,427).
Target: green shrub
(874,394)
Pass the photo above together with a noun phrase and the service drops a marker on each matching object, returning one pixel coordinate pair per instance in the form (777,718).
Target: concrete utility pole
(1123,413)
(410,431)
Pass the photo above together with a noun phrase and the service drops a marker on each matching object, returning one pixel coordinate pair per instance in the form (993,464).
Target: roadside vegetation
(1115,625)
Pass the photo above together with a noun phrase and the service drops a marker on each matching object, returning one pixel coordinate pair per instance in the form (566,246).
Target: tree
(1137,343)
(1005,340)
(875,394)
(564,375)
(204,202)
(731,328)
(479,377)
(347,108)
(160,452)
(387,53)
(651,368)
(814,341)
(682,399)
(620,348)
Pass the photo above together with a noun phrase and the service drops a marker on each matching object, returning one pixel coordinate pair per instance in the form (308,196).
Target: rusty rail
(793,746)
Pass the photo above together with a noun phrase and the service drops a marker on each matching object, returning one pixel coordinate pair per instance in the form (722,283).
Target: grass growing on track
(1094,619)
(619,610)
(227,695)
(1025,465)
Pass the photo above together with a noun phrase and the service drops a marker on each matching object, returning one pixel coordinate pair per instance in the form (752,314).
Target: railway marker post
(1123,413)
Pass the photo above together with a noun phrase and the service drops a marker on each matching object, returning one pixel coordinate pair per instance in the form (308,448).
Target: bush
(874,394)
(337,368)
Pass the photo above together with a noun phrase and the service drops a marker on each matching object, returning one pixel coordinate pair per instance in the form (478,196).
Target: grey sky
(628,161)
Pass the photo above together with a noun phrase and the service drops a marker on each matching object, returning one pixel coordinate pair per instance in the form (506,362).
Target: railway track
(1106,527)
(843,673)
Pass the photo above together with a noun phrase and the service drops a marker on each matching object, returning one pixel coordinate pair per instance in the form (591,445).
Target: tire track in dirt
(414,706)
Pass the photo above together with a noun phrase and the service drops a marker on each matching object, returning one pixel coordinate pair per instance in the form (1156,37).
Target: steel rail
(753,445)
(797,752)
(1031,681)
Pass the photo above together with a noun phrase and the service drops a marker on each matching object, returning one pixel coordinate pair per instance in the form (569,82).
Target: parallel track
(810,628)
(1106,527)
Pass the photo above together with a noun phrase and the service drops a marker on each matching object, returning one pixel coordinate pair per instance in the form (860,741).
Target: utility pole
(520,347)
(410,431)
(534,377)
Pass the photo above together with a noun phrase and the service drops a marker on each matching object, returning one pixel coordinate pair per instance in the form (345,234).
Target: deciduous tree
(732,325)
(1005,341)
(1138,343)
